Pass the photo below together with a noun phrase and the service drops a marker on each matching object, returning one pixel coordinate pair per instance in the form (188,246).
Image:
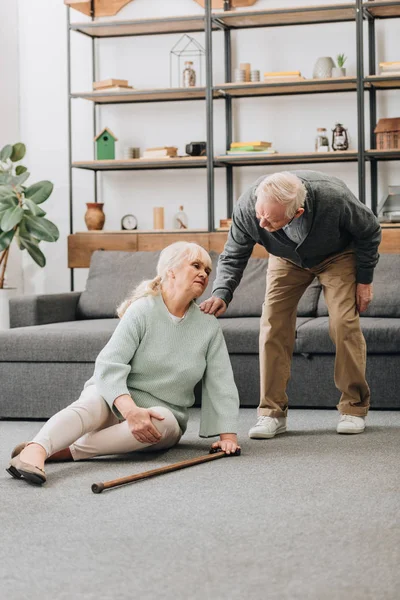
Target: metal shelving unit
(225,22)
(373,82)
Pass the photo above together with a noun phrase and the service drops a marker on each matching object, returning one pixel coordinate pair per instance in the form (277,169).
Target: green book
(249,149)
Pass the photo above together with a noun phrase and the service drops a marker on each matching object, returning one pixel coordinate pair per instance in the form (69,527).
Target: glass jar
(321,141)
(189,75)
(180,219)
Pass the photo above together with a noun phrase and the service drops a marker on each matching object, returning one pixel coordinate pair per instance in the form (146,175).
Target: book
(249,149)
(282,74)
(251,153)
(254,144)
(116,88)
(110,83)
(283,79)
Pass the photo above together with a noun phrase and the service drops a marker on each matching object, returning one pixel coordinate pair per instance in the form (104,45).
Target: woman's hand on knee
(141,426)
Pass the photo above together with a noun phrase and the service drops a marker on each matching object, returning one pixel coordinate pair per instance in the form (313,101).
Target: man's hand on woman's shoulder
(213,306)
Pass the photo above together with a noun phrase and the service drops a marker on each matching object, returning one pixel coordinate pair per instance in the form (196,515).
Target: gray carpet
(307,515)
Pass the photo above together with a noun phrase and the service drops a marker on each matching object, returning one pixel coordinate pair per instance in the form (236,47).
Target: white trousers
(89,428)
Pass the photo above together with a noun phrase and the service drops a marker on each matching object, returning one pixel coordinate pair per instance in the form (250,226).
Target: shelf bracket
(218,23)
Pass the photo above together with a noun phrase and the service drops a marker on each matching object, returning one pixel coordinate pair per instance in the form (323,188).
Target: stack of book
(282,76)
(390,68)
(251,148)
(161,152)
(111,85)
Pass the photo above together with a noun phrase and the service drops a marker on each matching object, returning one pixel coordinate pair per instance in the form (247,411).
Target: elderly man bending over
(312,225)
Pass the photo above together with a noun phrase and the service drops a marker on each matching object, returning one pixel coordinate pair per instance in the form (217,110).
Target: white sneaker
(267,427)
(351,424)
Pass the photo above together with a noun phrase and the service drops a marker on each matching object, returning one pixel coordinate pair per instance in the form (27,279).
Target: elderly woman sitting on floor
(144,378)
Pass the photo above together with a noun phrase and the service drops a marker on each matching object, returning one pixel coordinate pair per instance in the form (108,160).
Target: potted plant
(21,217)
(340,70)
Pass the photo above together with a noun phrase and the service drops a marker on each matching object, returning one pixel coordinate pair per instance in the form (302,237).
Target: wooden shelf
(184,162)
(82,245)
(307,86)
(104,29)
(285,159)
(383,154)
(289,16)
(142,231)
(389,82)
(150,95)
(383,10)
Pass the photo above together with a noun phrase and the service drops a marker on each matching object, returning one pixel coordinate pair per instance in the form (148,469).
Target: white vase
(323,68)
(338,72)
(5,295)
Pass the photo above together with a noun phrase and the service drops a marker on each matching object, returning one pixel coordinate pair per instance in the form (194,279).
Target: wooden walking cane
(215,453)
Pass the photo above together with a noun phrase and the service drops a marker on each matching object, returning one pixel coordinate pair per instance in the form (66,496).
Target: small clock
(129,222)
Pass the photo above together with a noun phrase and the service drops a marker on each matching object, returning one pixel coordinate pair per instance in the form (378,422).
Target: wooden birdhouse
(105,145)
(97,8)
(388,134)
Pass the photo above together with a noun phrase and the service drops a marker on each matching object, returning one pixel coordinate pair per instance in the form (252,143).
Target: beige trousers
(286,282)
(89,428)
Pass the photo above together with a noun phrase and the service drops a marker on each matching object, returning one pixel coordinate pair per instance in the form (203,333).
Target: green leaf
(5,178)
(20,179)
(41,228)
(18,152)
(39,192)
(6,192)
(34,208)
(11,218)
(20,169)
(34,252)
(6,239)
(24,235)
(6,152)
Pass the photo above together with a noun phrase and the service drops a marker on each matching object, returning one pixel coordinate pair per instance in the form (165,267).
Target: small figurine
(180,219)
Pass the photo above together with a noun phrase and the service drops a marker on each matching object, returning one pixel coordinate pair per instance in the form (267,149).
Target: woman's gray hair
(170,258)
(285,188)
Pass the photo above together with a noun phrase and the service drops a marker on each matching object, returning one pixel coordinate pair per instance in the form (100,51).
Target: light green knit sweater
(158,362)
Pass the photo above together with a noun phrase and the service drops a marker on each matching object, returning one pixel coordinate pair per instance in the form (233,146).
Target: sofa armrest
(42,309)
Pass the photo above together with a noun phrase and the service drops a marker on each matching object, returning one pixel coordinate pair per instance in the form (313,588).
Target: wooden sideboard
(82,245)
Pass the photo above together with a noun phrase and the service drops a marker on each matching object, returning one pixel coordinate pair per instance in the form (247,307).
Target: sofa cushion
(382,336)
(241,335)
(72,341)
(249,296)
(112,277)
(386,301)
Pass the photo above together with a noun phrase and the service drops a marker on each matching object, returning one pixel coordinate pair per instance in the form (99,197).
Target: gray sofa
(50,350)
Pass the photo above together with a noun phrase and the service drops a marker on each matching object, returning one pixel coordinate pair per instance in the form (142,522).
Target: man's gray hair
(285,188)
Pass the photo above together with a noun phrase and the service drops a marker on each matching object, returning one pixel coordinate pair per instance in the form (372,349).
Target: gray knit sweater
(334,220)
(158,361)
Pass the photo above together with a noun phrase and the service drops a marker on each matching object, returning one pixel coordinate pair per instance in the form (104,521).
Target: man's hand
(228,443)
(141,426)
(213,306)
(364,295)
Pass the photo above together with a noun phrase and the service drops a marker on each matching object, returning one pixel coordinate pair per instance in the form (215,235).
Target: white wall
(9,110)
(290,122)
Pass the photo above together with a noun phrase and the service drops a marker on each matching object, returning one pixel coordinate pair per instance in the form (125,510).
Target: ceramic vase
(94,216)
(323,68)
(339,72)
